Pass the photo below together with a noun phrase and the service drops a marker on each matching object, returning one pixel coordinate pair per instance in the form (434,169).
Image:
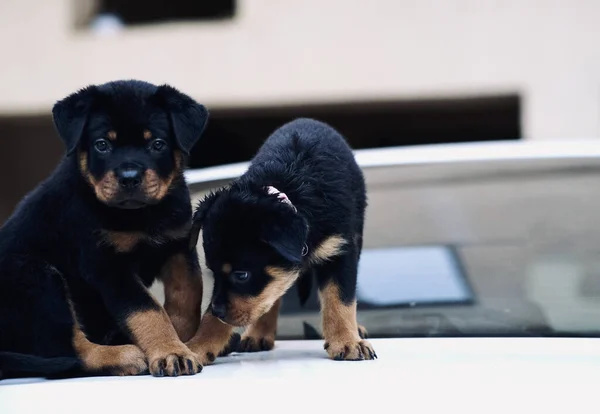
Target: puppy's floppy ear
(289,240)
(70,115)
(200,214)
(187,116)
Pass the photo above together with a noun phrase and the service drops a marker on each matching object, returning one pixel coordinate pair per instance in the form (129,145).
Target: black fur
(250,230)
(53,247)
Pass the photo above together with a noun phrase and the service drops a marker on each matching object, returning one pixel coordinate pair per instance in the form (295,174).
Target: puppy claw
(263,343)
(351,351)
(250,343)
(173,364)
(161,369)
(232,346)
(190,367)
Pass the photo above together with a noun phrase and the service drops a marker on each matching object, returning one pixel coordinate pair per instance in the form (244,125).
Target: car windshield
(495,246)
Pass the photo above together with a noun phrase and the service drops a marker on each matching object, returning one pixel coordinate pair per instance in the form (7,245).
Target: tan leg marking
(260,336)
(118,360)
(213,336)
(342,339)
(183,296)
(167,355)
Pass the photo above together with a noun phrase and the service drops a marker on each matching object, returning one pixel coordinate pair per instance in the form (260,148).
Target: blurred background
(384,72)
(512,244)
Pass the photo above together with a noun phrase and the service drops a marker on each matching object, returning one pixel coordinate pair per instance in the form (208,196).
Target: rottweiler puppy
(295,214)
(80,251)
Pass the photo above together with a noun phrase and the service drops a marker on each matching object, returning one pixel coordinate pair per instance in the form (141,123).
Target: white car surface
(530,267)
(425,375)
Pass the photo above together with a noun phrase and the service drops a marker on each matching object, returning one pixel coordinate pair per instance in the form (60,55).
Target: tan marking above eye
(226,268)
(112,135)
(338,318)
(147,134)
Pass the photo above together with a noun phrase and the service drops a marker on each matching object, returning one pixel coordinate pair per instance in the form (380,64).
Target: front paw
(174,362)
(232,346)
(350,350)
(132,360)
(255,343)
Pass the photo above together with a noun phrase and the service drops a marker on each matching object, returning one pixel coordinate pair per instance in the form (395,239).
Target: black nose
(130,177)
(218,310)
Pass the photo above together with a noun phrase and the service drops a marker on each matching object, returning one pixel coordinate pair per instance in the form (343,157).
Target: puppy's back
(306,138)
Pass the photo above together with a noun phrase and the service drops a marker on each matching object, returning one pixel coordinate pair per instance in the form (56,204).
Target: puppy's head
(254,245)
(131,138)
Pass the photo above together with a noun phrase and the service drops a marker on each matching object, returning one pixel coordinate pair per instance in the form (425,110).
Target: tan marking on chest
(124,241)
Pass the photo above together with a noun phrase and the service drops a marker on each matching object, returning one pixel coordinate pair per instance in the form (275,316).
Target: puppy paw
(362,332)
(350,350)
(175,362)
(252,343)
(210,351)
(132,361)
(232,346)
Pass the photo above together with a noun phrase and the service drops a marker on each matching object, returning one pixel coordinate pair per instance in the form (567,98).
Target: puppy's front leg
(147,323)
(212,339)
(182,280)
(337,289)
(260,336)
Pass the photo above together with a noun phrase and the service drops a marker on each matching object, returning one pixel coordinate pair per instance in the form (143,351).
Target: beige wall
(286,51)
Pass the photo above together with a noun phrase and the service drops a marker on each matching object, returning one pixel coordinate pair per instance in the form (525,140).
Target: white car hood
(411,375)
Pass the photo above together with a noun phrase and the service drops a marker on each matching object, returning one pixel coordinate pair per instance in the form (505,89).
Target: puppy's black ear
(70,115)
(200,214)
(188,117)
(289,240)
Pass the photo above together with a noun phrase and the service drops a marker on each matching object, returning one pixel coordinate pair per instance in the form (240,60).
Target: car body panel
(423,375)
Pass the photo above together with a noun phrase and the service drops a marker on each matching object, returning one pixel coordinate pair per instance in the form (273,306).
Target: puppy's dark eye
(240,276)
(158,145)
(102,145)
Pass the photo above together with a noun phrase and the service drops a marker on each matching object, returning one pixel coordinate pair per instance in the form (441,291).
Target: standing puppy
(297,211)
(80,251)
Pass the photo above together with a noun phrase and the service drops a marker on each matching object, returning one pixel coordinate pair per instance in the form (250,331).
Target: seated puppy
(297,211)
(80,251)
